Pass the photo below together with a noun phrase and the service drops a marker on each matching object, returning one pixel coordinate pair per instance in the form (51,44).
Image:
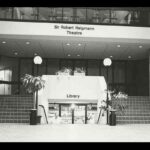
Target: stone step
(15,117)
(14,114)
(137,118)
(15,103)
(14,121)
(130,114)
(16,110)
(133,122)
(14,107)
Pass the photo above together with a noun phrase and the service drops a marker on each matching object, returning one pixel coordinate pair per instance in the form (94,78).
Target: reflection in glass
(50,14)
(26,67)
(119,72)
(93,68)
(104,16)
(6,75)
(44,13)
(81,15)
(25,13)
(93,15)
(57,14)
(121,17)
(5,89)
(79,64)
(6,12)
(67,14)
(52,66)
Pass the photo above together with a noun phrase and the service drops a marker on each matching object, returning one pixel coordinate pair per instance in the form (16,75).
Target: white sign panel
(74,30)
(74,87)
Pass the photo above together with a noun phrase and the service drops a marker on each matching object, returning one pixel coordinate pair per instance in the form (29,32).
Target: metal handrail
(44,113)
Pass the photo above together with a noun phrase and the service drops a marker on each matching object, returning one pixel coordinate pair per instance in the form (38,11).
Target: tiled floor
(74,133)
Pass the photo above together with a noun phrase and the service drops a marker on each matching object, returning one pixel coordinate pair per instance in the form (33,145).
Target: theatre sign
(73,29)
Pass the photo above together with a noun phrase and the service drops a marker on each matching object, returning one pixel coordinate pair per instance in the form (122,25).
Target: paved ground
(74,133)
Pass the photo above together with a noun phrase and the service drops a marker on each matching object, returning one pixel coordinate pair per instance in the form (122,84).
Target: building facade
(130,75)
(76,37)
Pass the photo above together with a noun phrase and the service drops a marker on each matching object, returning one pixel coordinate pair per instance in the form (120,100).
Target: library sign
(73,29)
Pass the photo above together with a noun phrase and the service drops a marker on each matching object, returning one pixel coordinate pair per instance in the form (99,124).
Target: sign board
(73,30)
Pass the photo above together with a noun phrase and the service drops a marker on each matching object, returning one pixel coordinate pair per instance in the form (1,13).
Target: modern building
(78,37)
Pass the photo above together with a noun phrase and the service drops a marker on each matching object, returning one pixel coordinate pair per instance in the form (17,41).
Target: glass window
(41,69)
(67,14)
(80,64)
(6,75)
(67,64)
(131,72)
(93,68)
(81,15)
(6,12)
(2,89)
(52,67)
(148,18)
(104,16)
(121,16)
(140,17)
(5,89)
(104,73)
(93,16)
(9,67)
(14,89)
(25,13)
(45,13)
(26,67)
(23,90)
(132,90)
(119,72)
(56,14)
(119,88)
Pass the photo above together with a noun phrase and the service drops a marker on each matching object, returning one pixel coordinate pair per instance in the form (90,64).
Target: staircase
(15,109)
(138,111)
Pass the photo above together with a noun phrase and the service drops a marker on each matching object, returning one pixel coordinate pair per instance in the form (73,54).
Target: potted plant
(116,103)
(32,85)
(79,71)
(64,71)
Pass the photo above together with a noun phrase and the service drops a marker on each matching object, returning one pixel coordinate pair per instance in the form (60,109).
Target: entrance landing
(74,133)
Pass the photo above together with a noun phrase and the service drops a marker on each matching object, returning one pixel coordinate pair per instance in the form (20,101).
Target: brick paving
(74,133)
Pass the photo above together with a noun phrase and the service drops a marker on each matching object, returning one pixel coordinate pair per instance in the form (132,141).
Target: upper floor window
(67,14)
(6,12)
(93,15)
(26,13)
(80,15)
(121,16)
(96,15)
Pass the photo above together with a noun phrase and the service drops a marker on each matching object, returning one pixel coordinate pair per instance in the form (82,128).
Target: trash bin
(112,118)
(33,119)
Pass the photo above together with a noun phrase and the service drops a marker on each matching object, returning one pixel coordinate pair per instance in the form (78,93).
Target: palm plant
(32,85)
(115,102)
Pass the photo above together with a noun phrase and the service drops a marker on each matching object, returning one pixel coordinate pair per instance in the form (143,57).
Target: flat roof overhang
(96,41)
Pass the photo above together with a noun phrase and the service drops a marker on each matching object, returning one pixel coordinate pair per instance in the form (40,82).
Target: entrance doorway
(62,113)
